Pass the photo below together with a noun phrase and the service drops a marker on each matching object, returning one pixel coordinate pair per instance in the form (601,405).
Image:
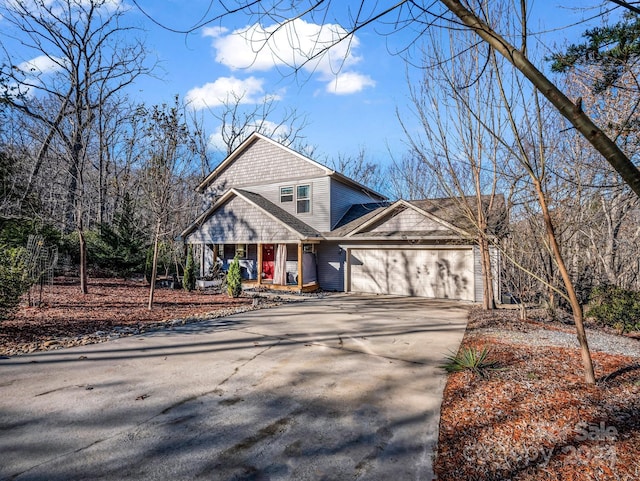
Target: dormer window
(303,198)
(286,194)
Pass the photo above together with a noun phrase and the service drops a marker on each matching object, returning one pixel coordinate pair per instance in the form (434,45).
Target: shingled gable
(281,163)
(452,209)
(381,215)
(299,229)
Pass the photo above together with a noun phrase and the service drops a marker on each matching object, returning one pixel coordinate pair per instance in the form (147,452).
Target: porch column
(215,255)
(300,266)
(259,264)
(347,270)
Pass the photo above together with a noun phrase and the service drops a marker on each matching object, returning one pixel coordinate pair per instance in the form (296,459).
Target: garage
(442,273)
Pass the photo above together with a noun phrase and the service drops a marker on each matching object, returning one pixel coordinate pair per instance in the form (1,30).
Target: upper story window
(303,198)
(286,194)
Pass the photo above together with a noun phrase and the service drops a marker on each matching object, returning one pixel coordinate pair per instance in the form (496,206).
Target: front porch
(253,284)
(277,266)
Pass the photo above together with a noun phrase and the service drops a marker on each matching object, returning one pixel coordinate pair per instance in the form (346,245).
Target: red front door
(268,261)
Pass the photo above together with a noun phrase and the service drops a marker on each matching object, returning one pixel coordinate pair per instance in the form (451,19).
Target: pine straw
(536,419)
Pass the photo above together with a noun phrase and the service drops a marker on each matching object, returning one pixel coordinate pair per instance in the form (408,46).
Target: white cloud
(324,50)
(41,65)
(349,83)
(214,31)
(214,94)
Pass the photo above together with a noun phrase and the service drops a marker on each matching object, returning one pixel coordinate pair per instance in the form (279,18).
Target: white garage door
(436,273)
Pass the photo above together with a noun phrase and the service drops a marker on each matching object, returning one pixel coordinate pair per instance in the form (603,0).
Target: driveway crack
(214,390)
(290,339)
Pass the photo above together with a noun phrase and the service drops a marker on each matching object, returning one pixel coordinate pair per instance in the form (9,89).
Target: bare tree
(410,178)
(608,233)
(238,120)
(360,169)
(516,127)
(82,56)
(167,162)
(532,148)
(458,141)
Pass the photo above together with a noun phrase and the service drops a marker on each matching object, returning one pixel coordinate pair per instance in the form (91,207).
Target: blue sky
(350,97)
(349,104)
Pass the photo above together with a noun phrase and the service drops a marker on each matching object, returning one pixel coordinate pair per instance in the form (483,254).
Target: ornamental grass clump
(471,359)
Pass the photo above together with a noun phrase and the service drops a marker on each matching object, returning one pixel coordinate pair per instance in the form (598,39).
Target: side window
(303,198)
(286,194)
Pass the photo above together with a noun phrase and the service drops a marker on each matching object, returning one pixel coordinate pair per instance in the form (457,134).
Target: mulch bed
(112,307)
(535,418)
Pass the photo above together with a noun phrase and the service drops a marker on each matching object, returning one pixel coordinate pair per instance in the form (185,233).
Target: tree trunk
(581,121)
(576,308)
(83,259)
(154,266)
(488,298)
(71,207)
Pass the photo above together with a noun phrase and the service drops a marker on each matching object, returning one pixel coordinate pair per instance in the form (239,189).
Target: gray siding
(331,262)
(238,222)
(477,268)
(408,220)
(343,197)
(495,268)
(319,217)
(261,163)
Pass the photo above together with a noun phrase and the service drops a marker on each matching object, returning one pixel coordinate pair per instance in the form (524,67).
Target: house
(298,225)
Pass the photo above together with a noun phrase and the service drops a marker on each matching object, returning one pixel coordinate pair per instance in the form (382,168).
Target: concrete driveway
(341,388)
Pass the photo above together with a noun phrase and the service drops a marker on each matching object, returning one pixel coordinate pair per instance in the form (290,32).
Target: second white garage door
(436,273)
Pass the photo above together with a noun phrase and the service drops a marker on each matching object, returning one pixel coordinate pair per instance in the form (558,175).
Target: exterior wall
(331,263)
(408,220)
(238,222)
(319,217)
(496,259)
(477,267)
(261,163)
(495,267)
(343,197)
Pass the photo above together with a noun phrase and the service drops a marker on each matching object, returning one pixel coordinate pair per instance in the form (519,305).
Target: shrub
(167,260)
(234,279)
(14,280)
(189,280)
(470,359)
(15,232)
(616,307)
(118,249)
(113,254)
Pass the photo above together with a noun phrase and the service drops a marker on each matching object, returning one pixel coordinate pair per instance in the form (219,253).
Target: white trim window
(303,199)
(286,194)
